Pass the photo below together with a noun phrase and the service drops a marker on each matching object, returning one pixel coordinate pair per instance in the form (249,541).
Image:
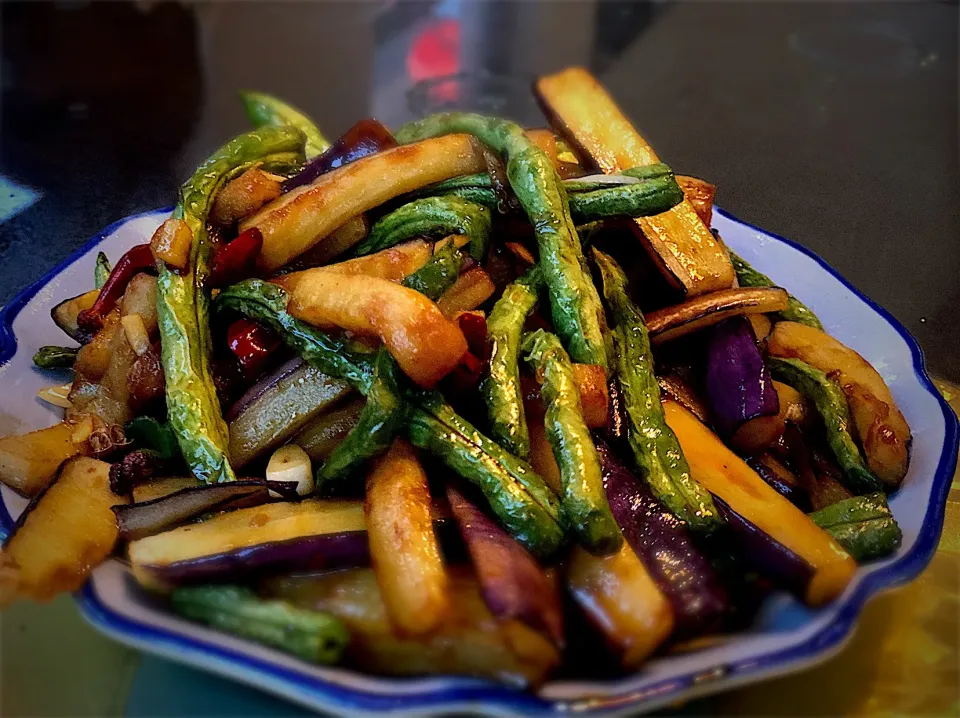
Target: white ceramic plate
(786,636)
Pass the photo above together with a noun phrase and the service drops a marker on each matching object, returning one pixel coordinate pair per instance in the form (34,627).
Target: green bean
(656,450)
(501,388)
(644,172)
(477,181)
(574,301)
(830,401)
(268,111)
(430,216)
(796,310)
(53,357)
(642,199)
(101,270)
(380,420)
(517,495)
(483,196)
(639,199)
(583,498)
(482,181)
(311,635)
(438,274)
(862,525)
(183,304)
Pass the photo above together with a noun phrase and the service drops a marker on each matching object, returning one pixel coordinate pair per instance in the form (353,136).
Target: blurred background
(833,124)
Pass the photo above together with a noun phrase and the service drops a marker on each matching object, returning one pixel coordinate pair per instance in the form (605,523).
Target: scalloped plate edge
(488,698)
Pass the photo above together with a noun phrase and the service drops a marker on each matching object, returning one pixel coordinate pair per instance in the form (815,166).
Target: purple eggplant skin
(367,137)
(739,385)
(699,599)
(770,557)
(771,470)
(673,385)
(264,383)
(136,521)
(512,583)
(349,549)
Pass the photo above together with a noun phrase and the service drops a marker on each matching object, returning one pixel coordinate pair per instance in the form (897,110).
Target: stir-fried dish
(459,398)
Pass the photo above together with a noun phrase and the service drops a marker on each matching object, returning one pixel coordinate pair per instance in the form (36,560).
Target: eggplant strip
(661,541)
(743,401)
(426,344)
(313,533)
(709,309)
(295,397)
(404,550)
(813,563)
(304,217)
(66,313)
(136,521)
(514,585)
(622,600)
(321,436)
(585,115)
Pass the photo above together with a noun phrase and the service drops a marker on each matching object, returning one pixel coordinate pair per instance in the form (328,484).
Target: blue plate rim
(464,691)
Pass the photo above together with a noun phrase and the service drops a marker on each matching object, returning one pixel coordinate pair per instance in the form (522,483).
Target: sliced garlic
(290,463)
(136,332)
(82,430)
(57,395)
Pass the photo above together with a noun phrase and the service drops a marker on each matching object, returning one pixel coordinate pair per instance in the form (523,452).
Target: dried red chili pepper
(465,377)
(136,260)
(252,344)
(236,260)
(474,328)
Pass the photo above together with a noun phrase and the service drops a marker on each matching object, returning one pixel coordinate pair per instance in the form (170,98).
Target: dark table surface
(832,124)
